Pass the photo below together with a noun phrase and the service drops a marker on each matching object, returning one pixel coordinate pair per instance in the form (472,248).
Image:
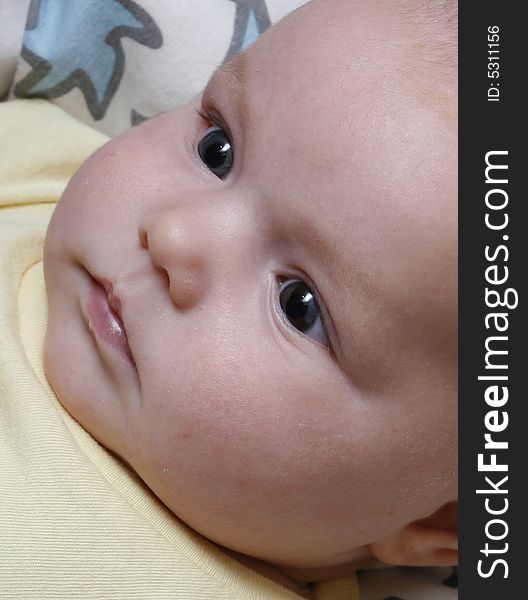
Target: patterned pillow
(113,63)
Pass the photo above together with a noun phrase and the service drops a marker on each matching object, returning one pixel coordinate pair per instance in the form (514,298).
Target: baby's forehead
(343,55)
(356,142)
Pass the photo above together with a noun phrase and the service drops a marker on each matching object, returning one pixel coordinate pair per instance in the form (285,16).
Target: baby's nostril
(165,276)
(143,238)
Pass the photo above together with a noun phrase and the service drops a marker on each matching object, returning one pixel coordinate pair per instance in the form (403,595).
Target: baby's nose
(180,248)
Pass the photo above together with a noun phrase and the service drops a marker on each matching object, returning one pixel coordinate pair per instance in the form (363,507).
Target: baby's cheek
(242,426)
(69,369)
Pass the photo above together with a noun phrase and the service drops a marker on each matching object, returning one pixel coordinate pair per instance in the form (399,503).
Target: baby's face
(284,267)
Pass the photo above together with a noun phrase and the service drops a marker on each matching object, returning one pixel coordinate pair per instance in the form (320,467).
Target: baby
(253,298)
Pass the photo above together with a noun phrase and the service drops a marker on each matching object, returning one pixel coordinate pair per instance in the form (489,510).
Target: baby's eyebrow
(232,77)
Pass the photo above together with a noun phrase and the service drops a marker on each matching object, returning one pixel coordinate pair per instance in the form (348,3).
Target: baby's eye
(216,151)
(300,307)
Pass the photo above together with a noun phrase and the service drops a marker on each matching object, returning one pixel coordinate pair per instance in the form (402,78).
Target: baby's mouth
(105,317)
(113,301)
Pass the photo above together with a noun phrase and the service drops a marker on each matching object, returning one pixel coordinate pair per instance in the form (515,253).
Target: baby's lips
(113,300)
(119,333)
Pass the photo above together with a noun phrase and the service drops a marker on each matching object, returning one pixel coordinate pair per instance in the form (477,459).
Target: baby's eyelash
(214,118)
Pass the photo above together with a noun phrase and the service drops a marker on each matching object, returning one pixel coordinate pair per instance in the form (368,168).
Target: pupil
(298,303)
(216,154)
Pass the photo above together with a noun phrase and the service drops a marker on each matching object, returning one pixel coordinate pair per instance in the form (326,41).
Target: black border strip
(491,126)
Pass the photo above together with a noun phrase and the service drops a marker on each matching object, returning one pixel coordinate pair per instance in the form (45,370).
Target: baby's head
(282,254)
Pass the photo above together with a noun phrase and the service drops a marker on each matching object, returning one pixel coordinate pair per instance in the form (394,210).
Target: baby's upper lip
(113,300)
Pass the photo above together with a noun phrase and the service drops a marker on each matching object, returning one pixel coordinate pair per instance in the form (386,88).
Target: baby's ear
(432,541)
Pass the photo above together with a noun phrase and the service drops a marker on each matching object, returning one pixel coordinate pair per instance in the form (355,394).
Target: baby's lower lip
(105,323)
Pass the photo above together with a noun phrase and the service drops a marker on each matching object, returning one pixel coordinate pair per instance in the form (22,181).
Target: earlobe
(432,541)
